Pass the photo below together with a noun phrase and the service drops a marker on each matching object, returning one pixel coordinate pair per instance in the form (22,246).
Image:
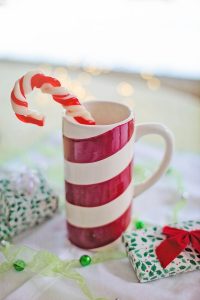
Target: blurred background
(145,53)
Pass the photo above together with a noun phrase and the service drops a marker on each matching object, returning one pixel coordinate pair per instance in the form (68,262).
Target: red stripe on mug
(99,147)
(93,195)
(90,238)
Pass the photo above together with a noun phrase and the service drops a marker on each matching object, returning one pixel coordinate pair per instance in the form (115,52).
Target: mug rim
(131,116)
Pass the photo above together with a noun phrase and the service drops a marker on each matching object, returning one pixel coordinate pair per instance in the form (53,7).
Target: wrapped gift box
(141,244)
(26,199)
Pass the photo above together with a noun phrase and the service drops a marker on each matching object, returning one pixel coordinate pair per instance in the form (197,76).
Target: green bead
(19,265)
(139,224)
(85,260)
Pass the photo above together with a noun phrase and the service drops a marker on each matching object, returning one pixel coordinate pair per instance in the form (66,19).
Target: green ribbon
(48,264)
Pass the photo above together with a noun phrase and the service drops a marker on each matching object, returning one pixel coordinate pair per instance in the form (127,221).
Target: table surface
(114,279)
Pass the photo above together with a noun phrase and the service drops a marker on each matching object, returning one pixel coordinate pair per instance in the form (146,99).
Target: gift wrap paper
(141,244)
(26,199)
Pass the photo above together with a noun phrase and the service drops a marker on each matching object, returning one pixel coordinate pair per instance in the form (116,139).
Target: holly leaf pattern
(141,252)
(144,239)
(143,267)
(153,268)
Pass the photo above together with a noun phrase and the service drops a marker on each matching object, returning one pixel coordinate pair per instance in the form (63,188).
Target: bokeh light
(146,76)
(125,89)
(92,70)
(153,84)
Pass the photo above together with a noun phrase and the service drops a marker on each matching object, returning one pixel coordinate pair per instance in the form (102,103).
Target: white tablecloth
(114,279)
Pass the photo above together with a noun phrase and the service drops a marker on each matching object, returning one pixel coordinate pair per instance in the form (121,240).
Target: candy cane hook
(48,85)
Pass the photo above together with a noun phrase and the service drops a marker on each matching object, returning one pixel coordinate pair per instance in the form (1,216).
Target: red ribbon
(177,240)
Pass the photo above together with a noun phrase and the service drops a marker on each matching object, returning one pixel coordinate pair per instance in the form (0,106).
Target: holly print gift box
(141,249)
(26,199)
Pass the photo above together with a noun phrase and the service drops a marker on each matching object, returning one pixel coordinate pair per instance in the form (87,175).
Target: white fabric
(114,279)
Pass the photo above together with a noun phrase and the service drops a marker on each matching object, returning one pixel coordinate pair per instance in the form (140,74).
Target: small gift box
(156,252)
(26,199)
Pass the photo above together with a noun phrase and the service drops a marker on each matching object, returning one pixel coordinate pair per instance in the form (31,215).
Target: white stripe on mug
(102,170)
(89,217)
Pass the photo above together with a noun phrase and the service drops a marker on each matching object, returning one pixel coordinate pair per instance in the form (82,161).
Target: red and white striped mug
(98,172)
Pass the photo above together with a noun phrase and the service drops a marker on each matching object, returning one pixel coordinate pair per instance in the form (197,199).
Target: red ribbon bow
(177,240)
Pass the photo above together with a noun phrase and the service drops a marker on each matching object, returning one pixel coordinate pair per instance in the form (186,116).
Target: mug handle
(165,133)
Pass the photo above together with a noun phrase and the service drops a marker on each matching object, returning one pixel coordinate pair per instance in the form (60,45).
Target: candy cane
(51,86)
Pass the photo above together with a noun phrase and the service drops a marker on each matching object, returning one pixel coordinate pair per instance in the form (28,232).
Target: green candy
(85,260)
(139,224)
(19,265)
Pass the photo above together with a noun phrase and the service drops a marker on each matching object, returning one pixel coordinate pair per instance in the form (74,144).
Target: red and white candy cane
(51,86)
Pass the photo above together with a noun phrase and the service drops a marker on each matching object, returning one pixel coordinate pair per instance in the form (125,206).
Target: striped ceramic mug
(99,172)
